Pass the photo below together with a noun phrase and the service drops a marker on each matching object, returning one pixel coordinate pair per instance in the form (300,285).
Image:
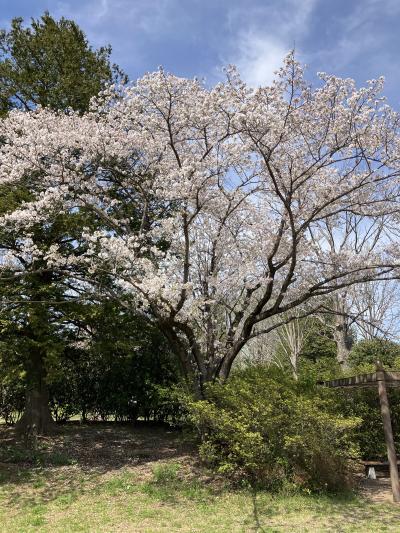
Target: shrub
(364,404)
(370,351)
(265,429)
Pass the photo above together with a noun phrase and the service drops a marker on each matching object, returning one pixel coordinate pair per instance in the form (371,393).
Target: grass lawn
(109,478)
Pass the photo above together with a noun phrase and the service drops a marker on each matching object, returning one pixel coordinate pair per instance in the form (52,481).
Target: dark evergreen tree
(50,64)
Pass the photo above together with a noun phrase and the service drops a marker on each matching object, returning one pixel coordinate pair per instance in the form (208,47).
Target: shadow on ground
(76,456)
(111,458)
(332,513)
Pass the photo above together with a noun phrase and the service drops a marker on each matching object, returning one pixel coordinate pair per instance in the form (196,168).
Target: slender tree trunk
(343,341)
(341,334)
(294,367)
(37,418)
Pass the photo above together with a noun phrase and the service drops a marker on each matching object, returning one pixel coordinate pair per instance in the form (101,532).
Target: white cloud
(258,57)
(258,50)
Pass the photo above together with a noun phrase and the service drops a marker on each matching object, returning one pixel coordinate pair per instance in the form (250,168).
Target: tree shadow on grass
(72,460)
(385,515)
(333,513)
(256,517)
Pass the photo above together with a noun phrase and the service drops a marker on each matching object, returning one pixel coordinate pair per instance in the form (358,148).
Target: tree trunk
(341,334)
(37,418)
(343,341)
(294,368)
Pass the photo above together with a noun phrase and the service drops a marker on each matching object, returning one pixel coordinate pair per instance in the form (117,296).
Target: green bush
(369,351)
(364,403)
(264,429)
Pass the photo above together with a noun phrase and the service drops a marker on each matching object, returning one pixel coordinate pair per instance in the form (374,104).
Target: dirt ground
(99,448)
(376,490)
(106,477)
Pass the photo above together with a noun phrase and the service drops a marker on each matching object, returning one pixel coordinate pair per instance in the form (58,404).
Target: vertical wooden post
(387,428)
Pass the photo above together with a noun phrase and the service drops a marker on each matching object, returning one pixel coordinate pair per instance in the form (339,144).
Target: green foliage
(123,371)
(370,351)
(324,368)
(265,429)
(12,398)
(362,403)
(51,64)
(12,387)
(166,473)
(319,342)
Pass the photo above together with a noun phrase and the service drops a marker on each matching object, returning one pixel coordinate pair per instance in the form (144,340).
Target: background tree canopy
(51,64)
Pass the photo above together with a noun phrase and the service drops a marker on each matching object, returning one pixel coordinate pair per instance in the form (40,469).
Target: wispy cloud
(262,39)
(258,57)
(355,38)
(363,44)
(140,15)
(142,32)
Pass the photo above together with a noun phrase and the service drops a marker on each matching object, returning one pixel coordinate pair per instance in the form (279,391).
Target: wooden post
(387,428)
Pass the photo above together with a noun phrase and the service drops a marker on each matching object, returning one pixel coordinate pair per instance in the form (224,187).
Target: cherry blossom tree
(212,202)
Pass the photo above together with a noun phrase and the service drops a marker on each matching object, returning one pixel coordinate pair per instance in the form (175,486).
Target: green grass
(167,500)
(41,456)
(109,478)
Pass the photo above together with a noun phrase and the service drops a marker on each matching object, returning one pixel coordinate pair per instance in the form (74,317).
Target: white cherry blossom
(212,203)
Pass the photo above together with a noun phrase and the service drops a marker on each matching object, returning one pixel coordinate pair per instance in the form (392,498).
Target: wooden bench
(371,466)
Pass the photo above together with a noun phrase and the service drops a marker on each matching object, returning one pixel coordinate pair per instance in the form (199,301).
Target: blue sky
(350,38)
